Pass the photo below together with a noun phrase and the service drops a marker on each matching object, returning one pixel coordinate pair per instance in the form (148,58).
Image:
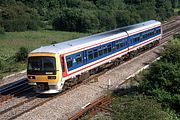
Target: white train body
(50,66)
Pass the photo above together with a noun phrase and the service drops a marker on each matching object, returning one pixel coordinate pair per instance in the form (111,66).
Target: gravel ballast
(63,107)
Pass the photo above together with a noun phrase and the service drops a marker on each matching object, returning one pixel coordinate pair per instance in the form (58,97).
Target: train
(53,68)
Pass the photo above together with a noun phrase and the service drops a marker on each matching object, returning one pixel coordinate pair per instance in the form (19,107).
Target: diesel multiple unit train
(52,68)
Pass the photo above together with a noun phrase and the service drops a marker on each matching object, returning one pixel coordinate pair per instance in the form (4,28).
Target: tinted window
(100,51)
(105,49)
(90,55)
(69,62)
(117,45)
(109,48)
(41,65)
(95,53)
(121,44)
(78,59)
(49,63)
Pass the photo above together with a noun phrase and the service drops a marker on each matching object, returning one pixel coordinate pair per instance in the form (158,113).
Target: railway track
(101,104)
(14,89)
(35,100)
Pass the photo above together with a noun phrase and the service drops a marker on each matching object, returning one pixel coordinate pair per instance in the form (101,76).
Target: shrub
(32,25)
(2,31)
(138,108)
(163,79)
(76,20)
(15,25)
(18,17)
(171,52)
(1,65)
(22,54)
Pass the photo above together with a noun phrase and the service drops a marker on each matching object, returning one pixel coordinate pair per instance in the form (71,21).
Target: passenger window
(105,49)
(95,53)
(141,38)
(78,59)
(152,33)
(159,30)
(100,51)
(144,36)
(69,62)
(138,38)
(117,45)
(109,48)
(90,55)
(121,44)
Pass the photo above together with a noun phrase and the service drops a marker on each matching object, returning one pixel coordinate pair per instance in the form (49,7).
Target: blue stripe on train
(129,43)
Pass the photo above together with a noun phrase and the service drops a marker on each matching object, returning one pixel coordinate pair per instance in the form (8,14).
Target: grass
(10,42)
(176,10)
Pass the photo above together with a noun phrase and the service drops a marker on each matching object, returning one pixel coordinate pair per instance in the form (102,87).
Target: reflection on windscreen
(41,65)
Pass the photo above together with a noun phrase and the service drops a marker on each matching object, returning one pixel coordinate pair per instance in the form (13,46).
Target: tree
(18,17)
(163,79)
(76,20)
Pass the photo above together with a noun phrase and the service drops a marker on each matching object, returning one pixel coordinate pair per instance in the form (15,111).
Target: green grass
(176,10)
(10,42)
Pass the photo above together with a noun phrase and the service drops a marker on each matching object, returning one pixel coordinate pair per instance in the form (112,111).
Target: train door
(64,73)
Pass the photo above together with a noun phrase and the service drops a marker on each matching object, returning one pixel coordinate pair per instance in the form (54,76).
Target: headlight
(31,77)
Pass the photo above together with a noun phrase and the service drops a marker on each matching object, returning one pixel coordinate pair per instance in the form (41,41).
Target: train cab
(43,72)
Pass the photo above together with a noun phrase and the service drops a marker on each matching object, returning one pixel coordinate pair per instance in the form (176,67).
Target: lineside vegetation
(158,95)
(81,15)
(14,47)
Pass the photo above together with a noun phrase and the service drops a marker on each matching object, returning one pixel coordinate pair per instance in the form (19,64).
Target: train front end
(43,73)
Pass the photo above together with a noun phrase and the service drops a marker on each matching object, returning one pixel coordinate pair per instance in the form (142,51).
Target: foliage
(138,108)
(12,41)
(22,54)
(1,66)
(32,40)
(2,31)
(81,15)
(76,20)
(171,52)
(176,36)
(18,17)
(163,79)
(8,66)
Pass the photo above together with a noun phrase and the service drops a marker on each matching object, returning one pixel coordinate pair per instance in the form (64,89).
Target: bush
(15,25)
(18,17)
(1,65)
(76,20)
(163,79)
(2,31)
(138,108)
(171,52)
(21,55)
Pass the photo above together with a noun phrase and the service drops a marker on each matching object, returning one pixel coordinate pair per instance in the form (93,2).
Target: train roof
(57,48)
